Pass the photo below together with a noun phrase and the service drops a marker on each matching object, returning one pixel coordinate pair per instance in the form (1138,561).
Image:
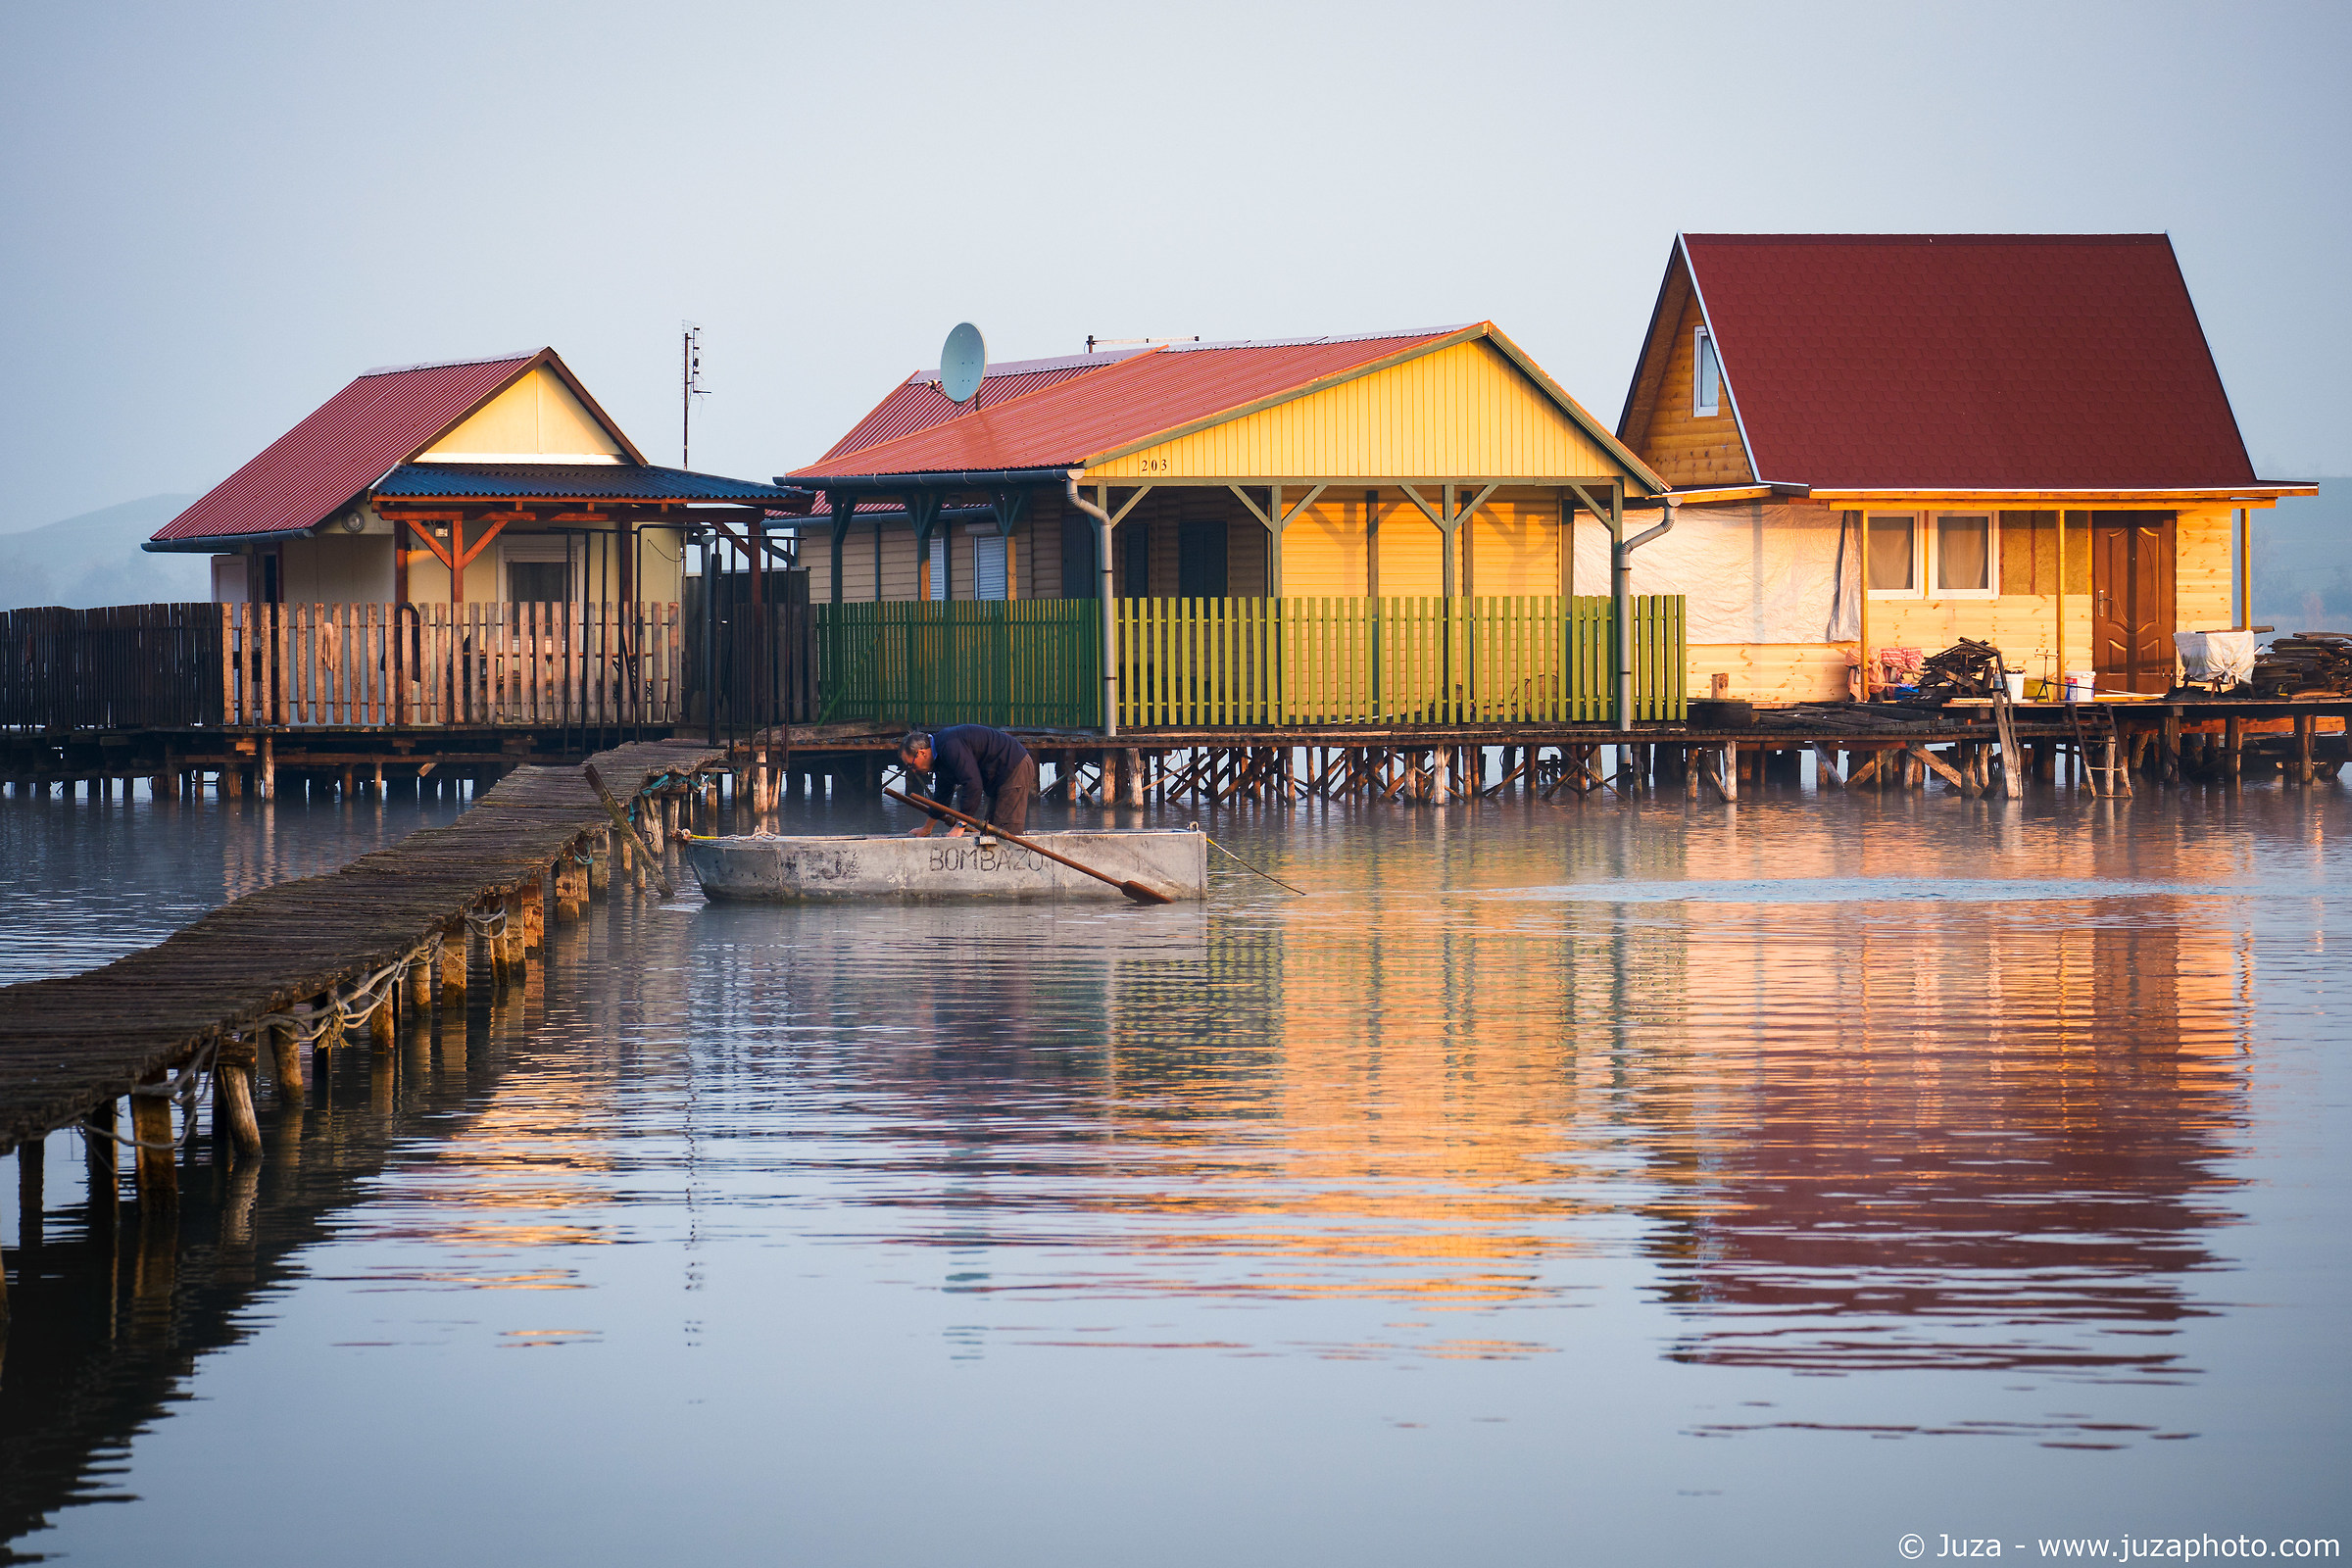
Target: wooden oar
(1133,890)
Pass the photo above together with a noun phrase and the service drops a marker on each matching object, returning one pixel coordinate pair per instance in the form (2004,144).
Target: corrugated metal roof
(568,481)
(918,404)
(1061,425)
(1994,362)
(382,419)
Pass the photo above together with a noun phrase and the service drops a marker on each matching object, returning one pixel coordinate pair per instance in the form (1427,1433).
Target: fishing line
(1246,866)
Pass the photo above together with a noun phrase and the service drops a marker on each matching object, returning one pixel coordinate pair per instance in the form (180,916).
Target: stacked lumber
(2316,664)
(1967,668)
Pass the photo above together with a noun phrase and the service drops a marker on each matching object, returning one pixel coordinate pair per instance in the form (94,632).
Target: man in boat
(986,773)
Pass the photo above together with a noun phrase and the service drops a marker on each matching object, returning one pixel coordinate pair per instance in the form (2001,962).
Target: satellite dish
(962,363)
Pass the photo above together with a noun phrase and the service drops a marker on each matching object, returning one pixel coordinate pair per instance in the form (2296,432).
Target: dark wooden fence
(1033,663)
(125,667)
(759,667)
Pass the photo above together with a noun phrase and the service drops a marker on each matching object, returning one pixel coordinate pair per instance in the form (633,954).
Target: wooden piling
(453,966)
(233,1078)
(30,1202)
(2303,761)
(285,1059)
(105,1180)
(268,768)
(2234,741)
(155,1172)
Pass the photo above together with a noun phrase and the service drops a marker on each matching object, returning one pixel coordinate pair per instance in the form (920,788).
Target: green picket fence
(1217,664)
(1030,663)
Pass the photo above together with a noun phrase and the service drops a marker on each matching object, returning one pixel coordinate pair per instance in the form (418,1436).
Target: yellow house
(1888,443)
(472,481)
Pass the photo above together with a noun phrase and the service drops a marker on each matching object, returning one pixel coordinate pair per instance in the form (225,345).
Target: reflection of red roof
(1070,420)
(918,404)
(353,439)
(1993,362)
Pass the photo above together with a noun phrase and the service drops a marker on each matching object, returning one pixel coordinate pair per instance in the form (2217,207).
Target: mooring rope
(1246,866)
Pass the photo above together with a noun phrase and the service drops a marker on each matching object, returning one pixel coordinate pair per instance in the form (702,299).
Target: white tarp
(2216,656)
(1752,571)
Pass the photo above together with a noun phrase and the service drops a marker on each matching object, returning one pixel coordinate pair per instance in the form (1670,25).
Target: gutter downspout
(1111,629)
(1621,599)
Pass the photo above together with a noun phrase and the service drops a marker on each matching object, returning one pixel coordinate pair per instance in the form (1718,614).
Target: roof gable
(1174,391)
(1970,362)
(353,439)
(537,416)
(920,404)
(1460,408)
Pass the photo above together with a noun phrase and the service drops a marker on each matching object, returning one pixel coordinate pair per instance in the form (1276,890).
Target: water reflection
(1775,1125)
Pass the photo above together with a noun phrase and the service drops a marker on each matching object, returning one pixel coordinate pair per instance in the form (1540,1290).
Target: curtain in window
(1891,553)
(1964,553)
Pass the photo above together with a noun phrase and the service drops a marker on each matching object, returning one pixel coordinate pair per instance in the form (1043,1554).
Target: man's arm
(963,770)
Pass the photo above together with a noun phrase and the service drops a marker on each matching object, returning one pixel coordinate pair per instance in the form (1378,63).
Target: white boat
(876,865)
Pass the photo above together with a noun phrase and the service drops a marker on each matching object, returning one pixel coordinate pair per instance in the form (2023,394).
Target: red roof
(353,439)
(920,404)
(1985,362)
(1063,424)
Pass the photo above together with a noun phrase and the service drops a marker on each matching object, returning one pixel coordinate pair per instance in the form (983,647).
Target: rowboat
(875,865)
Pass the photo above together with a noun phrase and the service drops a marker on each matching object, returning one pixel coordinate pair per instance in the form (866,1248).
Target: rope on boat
(1246,866)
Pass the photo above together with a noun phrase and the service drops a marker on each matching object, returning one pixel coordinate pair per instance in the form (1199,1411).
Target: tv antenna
(690,386)
(963,364)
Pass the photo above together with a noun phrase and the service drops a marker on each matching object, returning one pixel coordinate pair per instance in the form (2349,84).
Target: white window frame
(1992,555)
(1703,342)
(1919,552)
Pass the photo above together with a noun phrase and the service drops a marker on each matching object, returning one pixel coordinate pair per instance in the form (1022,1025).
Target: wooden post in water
(2235,738)
(598,868)
(2303,763)
(232,1076)
(155,1173)
(418,979)
(285,1057)
(105,1169)
(29,1201)
(453,966)
(534,911)
(384,1022)
(268,767)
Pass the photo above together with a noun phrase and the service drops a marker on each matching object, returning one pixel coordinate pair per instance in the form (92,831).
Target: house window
(1894,554)
(1706,375)
(1965,563)
(538,571)
(939,564)
(988,565)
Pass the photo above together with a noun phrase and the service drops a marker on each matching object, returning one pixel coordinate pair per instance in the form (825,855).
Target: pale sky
(212,217)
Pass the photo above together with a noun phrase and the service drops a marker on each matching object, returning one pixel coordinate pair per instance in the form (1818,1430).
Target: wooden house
(1333,530)
(1893,442)
(481,481)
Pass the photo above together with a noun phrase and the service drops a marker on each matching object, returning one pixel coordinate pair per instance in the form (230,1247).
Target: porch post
(842,508)
(1110,609)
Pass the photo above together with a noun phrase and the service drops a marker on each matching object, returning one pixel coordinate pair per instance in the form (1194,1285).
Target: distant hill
(96,558)
(2303,562)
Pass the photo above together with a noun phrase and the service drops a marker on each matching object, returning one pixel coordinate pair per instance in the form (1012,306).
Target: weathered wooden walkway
(305,959)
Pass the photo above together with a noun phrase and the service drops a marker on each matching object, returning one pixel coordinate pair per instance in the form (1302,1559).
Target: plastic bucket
(2017,684)
(2078,685)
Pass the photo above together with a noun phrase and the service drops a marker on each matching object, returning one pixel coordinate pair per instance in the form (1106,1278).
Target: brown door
(2131,600)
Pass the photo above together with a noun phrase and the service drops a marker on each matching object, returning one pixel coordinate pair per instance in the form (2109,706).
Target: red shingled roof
(1989,362)
(1063,424)
(918,404)
(353,439)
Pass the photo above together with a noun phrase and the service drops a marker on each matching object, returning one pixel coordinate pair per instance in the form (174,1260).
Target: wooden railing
(379,665)
(1218,663)
(1027,663)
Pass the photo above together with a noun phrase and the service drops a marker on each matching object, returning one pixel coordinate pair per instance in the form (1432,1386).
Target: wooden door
(2131,600)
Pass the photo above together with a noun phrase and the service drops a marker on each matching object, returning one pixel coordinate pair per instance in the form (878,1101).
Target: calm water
(1551,1184)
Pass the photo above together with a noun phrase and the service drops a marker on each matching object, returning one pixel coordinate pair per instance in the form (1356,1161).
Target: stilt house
(1319,482)
(1887,443)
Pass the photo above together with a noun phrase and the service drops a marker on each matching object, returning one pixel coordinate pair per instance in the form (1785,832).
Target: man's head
(916,750)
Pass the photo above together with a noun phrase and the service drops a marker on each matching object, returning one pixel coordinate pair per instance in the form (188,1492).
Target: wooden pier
(318,961)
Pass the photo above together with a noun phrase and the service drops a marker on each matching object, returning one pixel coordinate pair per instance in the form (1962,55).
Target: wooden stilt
(285,1059)
(453,966)
(105,1180)
(155,1172)
(2303,763)
(2235,739)
(234,1079)
(268,768)
(30,1201)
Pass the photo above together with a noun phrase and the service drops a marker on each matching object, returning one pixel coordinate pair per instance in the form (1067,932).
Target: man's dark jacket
(972,762)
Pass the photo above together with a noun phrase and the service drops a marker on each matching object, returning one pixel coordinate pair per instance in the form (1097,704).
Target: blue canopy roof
(573,481)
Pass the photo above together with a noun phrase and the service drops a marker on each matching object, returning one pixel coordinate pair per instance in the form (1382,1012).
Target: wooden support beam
(155,1171)
(1824,761)
(234,1077)
(1939,767)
